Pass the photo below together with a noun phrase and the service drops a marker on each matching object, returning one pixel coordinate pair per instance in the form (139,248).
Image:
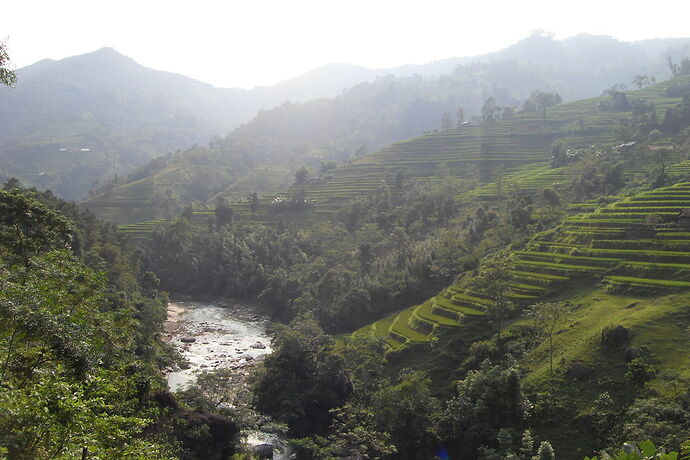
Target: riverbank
(215,335)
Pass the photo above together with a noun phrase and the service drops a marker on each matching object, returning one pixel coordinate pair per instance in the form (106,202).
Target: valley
(487,259)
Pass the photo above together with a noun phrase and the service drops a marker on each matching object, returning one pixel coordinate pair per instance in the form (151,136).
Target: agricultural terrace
(418,323)
(518,146)
(633,245)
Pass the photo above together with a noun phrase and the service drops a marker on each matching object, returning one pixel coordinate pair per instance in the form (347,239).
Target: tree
(410,413)
(539,101)
(7,76)
(302,380)
(493,282)
(643,451)
(547,315)
(301,175)
(446,121)
(28,228)
(545,452)
(559,155)
(461,116)
(526,445)
(487,400)
(223,212)
(253,202)
(490,110)
(550,197)
(325,167)
(643,80)
(673,67)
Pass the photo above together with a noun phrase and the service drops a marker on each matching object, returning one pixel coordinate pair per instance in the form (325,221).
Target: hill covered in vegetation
(512,287)
(520,281)
(263,155)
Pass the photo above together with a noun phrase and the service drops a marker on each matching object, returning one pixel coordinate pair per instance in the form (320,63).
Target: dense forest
(511,286)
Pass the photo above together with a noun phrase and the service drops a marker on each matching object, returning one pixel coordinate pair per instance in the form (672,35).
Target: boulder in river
(258,345)
(188,340)
(263,451)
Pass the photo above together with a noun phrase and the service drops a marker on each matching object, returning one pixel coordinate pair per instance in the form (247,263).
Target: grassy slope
(657,323)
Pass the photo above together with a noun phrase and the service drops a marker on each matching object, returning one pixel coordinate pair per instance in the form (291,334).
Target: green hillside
(431,254)
(517,146)
(507,156)
(263,155)
(633,246)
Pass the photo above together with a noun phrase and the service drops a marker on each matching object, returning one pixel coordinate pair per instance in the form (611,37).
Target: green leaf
(647,447)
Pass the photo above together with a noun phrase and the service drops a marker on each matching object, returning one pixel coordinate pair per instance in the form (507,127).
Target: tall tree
(254,202)
(29,228)
(548,315)
(461,116)
(446,121)
(301,175)
(7,75)
(493,283)
(490,110)
(223,212)
(643,80)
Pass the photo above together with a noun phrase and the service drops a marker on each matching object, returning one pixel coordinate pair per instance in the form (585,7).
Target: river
(219,336)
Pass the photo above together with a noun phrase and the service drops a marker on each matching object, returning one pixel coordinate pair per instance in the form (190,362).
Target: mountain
(82,119)
(73,124)
(262,155)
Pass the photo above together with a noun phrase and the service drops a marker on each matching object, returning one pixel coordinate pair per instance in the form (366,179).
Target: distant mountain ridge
(74,123)
(262,155)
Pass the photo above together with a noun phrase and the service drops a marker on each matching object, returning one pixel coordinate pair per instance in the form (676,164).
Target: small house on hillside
(684,217)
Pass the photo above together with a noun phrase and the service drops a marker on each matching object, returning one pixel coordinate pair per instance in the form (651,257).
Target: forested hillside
(80,374)
(480,266)
(537,287)
(263,155)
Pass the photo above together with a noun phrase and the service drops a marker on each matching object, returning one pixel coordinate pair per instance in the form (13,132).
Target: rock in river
(259,345)
(187,340)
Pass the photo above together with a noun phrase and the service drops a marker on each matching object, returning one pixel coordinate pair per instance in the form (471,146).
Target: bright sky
(243,43)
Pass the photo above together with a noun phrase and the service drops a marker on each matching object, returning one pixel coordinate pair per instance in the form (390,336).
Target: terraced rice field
(417,324)
(141,230)
(633,244)
(529,178)
(519,145)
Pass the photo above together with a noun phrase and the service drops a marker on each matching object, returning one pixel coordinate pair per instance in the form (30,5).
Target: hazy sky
(238,43)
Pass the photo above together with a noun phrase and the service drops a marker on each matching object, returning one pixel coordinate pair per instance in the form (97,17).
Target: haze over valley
(481,257)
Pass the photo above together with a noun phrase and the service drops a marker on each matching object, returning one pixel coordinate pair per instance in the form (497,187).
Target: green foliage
(28,228)
(639,372)
(301,175)
(302,380)
(74,371)
(356,432)
(409,412)
(7,76)
(223,213)
(545,452)
(538,101)
(493,282)
(663,419)
(487,400)
(548,316)
(645,450)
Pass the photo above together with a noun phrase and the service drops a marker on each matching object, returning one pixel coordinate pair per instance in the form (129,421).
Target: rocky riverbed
(214,336)
(221,336)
